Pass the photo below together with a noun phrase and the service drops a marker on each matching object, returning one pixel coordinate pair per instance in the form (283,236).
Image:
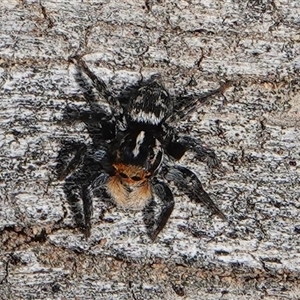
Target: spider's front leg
(96,188)
(69,162)
(165,195)
(188,182)
(69,158)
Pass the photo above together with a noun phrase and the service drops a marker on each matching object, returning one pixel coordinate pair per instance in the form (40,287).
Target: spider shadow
(76,163)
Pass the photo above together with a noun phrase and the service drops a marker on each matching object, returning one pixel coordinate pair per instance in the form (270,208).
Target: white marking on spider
(139,141)
(148,117)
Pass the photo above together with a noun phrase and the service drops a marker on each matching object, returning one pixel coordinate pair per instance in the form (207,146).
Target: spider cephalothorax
(133,152)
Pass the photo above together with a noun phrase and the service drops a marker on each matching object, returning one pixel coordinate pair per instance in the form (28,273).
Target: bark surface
(254,128)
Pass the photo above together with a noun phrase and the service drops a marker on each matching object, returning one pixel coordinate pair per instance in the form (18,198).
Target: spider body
(138,151)
(129,193)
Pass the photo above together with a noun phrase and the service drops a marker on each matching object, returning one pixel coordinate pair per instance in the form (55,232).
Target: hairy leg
(181,144)
(98,84)
(188,182)
(156,224)
(185,104)
(70,157)
(96,188)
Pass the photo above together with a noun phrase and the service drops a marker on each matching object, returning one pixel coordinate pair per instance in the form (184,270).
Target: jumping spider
(134,148)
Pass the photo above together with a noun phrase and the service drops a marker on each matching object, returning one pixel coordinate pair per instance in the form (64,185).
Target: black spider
(133,150)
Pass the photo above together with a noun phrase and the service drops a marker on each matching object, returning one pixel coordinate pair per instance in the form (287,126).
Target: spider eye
(123,175)
(136,178)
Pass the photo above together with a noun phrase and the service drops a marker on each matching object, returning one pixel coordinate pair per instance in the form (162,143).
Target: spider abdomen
(153,104)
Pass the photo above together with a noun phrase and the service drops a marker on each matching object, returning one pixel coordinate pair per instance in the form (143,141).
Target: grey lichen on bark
(254,128)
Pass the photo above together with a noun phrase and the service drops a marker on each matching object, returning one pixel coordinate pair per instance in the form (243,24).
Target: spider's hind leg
(185,104)
(99,85)
(156,224)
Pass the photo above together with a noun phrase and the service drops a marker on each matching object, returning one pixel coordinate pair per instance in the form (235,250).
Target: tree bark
(253,125)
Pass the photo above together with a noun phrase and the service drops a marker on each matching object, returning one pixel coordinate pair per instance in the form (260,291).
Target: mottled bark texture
(253,126)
